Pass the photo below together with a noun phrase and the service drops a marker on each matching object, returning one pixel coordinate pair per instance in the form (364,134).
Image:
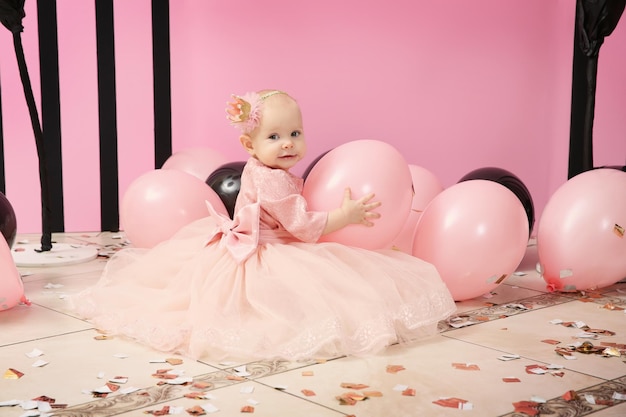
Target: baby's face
(279,141)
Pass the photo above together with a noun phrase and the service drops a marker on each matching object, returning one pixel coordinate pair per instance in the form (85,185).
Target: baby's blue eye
(295,133)
(273,137)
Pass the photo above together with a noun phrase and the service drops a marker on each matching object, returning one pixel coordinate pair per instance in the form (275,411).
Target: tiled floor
(465,361)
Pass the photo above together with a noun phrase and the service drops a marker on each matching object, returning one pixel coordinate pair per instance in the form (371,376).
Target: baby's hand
(359,211)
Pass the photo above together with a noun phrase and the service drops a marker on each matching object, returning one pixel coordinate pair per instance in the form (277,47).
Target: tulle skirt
(288,300)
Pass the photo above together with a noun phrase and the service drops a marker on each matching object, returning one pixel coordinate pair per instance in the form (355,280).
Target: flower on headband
(245,111)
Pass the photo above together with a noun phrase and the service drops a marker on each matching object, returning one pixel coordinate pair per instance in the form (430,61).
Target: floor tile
(523,334)
(24,323)
(77,362)
(430,372)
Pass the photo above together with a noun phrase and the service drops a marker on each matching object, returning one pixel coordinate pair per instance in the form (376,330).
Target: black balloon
(226,182)
(8,223)
(618,167)
(308,169)
(510,181)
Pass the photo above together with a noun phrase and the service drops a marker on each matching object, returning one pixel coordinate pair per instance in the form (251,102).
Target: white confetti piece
(590,398)
(121,356)
(102,390)
(209,408)
(39,363)
(241,371)
(247,389)
(180,380)
(34,353)
(400,387)
(466,406)
(508,357)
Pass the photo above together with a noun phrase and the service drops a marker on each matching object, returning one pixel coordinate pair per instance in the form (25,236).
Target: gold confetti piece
(102,337)
(588,347)
(370,394)
(321,360)
(511,379)
(618,230)
(308,393)
(393,369)
(247,409)
(174,361)
(307,373)
(350,385)
(13,374)
(611,306)
(551,341)
(235,378)
(346,400)
(502,277)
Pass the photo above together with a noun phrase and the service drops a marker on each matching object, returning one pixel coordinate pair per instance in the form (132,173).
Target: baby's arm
(352,212)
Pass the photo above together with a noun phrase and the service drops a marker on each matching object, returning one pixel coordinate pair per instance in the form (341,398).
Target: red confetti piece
(526,407)
(450,402)
(393,369)
(466,366)
(409,392)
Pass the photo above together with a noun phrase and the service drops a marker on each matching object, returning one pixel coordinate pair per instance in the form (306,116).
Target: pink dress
(260,287)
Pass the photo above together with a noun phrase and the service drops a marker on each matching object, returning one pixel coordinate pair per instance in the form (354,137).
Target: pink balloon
(364,166)
(580,236)
(425,187)
(475,233)
(158,203)
(11,286)
(199,162)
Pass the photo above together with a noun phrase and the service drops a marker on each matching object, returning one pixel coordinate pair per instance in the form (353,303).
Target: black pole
(46,238)
(595,19)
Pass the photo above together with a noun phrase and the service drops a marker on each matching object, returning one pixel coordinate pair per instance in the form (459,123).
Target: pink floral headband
(245,112)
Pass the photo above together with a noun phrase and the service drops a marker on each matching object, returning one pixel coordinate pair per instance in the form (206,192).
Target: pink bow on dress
(241,234)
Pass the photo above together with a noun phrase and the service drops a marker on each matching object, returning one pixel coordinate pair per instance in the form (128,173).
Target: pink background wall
(454,85)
